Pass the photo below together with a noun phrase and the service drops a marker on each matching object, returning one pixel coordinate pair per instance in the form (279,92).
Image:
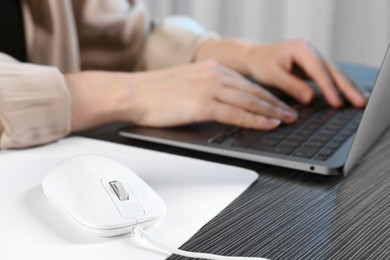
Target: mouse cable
(142,234)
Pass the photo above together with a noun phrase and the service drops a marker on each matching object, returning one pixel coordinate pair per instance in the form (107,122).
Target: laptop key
(275,136)
(315,144)
(340,139)
(281,149)
(296,138)
(322,138)
(326,152)
(284,149)
(333,145)
(217,140)
(221,137)
(305,151)
(268,142)
(289,143)
(321,157)
(248,138)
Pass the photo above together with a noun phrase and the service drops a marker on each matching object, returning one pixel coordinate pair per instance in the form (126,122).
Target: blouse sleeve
(121,35)
(34,104)
(174,41)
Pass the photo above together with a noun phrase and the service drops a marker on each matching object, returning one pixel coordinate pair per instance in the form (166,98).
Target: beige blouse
(67,36)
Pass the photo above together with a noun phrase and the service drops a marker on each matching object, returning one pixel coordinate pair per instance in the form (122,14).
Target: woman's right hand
(203,91)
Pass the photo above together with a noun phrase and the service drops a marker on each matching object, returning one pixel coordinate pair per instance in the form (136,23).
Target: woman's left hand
(273,64)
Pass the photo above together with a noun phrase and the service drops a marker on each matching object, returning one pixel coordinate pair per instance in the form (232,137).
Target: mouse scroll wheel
(119,190)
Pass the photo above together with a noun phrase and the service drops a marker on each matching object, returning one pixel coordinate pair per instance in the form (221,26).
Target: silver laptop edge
(376,117)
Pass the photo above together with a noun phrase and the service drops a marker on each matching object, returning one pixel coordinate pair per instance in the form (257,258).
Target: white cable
(141,233)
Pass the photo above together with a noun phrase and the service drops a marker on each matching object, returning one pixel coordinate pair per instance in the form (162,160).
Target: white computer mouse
(102,195)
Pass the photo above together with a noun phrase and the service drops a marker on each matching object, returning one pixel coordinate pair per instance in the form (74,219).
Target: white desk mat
(32,228)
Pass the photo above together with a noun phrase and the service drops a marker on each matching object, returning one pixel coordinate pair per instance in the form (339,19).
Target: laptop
(323,140)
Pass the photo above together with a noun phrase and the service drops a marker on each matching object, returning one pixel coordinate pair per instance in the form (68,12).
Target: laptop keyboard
(318,133)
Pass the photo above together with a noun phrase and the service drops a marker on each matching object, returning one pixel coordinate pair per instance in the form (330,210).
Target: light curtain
(355,31)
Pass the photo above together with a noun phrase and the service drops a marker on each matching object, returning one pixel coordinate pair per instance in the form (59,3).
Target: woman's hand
(208,91)
(273,64)
(203,91)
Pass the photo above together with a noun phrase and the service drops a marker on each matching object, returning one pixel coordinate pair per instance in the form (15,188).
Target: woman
(92,62)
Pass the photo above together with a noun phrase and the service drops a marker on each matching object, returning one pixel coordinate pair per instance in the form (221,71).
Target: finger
(254,90)
(255,105)
(312,63)
(231,115)
(236,81)
(295,87)
(349,90)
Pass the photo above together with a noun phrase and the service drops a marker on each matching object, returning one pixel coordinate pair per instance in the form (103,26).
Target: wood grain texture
(293,215)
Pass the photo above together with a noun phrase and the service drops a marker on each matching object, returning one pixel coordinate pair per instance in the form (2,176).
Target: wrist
(98,98)
(232,53)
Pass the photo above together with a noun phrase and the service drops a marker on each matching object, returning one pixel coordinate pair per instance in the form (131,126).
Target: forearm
(99,98)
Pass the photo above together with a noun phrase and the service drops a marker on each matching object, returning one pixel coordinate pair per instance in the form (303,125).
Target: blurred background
(356,31)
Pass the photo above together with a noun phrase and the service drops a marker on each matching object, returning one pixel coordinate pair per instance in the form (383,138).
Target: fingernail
(274,121)
(338,103)
(290,114)
(284,105)
(306,97)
